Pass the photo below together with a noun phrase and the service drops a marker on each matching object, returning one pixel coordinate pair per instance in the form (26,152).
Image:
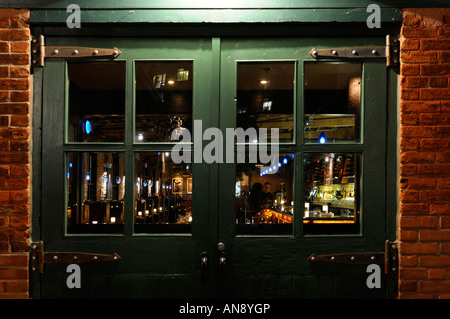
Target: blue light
(70,164)
(292,155)
(88,127)
(145,184)
(105,179)
(118,180)
(68,174)
(285,160)
(279,164)
(88,176)
(322,139)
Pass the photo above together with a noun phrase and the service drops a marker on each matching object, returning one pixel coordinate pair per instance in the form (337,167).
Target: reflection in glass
(332,102)
(163,193)
(95,192)
(331,193)
(96,102)
(265,197)
(265,97)
(163,99)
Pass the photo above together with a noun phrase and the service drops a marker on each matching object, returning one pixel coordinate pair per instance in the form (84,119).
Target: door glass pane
(95,192)
(96,102)
(163,99)
(265,97)
(265,197)
(332,193)
(163,193)
(332,105)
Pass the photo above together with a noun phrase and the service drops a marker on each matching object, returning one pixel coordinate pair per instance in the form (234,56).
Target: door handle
(222,260)
(222,255)
(204,265)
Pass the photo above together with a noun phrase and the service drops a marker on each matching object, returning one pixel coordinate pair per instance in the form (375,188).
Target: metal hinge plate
(39,52)
(388,258)
(391,52)
(39,257)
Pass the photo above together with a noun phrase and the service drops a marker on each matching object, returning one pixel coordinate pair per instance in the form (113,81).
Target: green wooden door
(111,185)
(109,182)
(328,182)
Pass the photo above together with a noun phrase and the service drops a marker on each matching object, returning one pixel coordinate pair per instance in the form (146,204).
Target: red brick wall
(424,154)
(15,106)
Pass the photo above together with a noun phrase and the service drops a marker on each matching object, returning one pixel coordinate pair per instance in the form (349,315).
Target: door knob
(221,246)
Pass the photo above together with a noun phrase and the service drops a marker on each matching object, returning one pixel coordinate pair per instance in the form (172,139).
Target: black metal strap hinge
(39,257)
(391,52)
(388,258)
(39,52)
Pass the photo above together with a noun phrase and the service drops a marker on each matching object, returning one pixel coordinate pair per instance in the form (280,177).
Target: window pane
(265,97)
(163,99)
(332,102)
(331,193)
(95,192)
(265,198)
(163,192)
(96,102)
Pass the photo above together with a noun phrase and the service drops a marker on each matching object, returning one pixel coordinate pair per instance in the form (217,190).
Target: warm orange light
(329,221)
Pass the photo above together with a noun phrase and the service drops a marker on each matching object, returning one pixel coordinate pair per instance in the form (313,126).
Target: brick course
(424,225)
(15,173)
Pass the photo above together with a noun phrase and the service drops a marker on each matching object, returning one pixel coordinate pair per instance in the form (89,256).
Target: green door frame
(213,195)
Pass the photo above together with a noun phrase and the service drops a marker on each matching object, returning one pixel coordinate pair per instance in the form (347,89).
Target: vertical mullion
(129,154)
(299,145)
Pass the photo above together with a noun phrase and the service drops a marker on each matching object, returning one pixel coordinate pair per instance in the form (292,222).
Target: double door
(213,168)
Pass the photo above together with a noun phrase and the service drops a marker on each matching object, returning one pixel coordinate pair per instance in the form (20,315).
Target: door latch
(39,51)
(39,257)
